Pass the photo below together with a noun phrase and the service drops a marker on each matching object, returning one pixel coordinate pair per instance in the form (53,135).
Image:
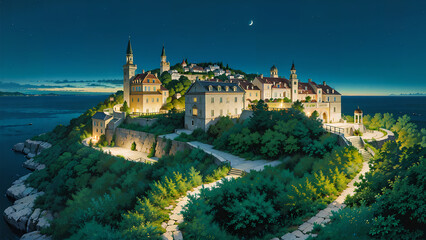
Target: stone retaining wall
(378,143)
(141,121)
(124,138)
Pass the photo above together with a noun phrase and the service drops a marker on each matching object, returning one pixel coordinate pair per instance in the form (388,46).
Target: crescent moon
(251,22)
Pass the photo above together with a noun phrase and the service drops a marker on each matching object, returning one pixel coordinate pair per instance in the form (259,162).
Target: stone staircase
(356,142)
(235,172)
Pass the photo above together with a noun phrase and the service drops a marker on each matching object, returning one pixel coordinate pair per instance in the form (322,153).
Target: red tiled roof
(306,88)
(244,84)
(143,76)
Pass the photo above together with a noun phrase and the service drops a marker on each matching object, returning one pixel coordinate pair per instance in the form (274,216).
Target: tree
(314,115)
(125,108)
(166,78)
(133,147)
(308,99)
(298,105)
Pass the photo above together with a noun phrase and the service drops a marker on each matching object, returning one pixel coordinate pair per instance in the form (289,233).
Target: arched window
(226,88)
(194,111)
(219,88)
(235,88)
(210,88)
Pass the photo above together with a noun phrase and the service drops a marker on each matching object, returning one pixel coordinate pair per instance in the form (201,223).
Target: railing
(146,160)
(155,114)
(339,131)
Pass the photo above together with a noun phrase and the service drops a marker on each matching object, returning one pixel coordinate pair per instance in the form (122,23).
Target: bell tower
(294,83)
(274,72)
(129,70)
(164,65)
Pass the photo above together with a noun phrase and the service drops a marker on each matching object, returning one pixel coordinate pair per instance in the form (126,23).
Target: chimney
(149,72)
(143,71)
(155,74)
(323,83)
(261,75)
(309,80)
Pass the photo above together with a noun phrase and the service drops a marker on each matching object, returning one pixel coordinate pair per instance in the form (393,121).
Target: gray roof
(101,116)
(129,48)
(215,86)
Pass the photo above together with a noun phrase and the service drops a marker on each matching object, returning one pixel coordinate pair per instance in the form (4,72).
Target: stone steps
(235,172)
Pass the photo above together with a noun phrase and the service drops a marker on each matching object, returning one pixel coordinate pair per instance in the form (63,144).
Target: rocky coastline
(21,214)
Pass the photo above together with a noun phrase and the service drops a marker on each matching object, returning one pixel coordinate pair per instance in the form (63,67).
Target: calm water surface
(15,115)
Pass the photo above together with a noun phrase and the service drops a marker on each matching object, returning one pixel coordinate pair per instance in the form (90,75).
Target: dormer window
(210,88)
(327,90)
(278,85)
(148,80)
(226,88)
(219,88)
(153,80)
(332,90)
(235,88)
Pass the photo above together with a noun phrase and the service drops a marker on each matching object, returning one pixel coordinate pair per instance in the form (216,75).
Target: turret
(274,72)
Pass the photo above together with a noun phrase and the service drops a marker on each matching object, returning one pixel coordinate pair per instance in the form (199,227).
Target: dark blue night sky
(358,47)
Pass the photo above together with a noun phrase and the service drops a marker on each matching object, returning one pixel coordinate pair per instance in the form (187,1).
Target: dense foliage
(273,134)
(98,196)
(390,200)
(266,202)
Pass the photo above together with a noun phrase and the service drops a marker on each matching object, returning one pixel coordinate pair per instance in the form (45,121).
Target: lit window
(195,99)
(210,88)
(194,111)
(219,88)
(235,88)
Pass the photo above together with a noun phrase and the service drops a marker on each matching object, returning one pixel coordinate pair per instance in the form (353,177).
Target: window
(158,99)
(210,88)
(319,91)
(101,124)
(226,88)
(133,88)
(294,83)
(101,131)
(295,91)
(195,99)
(94,123)
(328,99)
(138,99)
(152,99)
(219,88)
(250,94)
(145,88)
(256,94)
(220,100)
(334,109)
(212,100)
(278,85)
(148,80)
(154,89)
(267,87)
(212,113)
(96,130)
(221,112)
(235,88)
(334,98)
(236,99)
(192,122)
(194,111)
(132,99)
(275,94)
(306,87)
(153,80)
(236,111)
(227,99)
(147,100)
(149,89)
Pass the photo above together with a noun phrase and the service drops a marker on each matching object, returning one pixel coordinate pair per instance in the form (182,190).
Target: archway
(324,117)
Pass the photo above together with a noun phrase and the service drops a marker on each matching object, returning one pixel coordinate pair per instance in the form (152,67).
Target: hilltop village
(214,92)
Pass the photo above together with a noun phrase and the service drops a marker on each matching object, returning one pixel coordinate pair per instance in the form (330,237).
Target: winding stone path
(323,216)
(172,229)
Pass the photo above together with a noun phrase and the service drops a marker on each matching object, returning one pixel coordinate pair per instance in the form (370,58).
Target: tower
(294,83)
(164,65)
(129,70)
(274,72)
(358,116)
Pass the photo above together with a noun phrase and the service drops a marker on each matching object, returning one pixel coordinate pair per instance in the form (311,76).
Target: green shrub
(133,147)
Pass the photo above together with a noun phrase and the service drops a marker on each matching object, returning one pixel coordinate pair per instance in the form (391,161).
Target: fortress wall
(124,138)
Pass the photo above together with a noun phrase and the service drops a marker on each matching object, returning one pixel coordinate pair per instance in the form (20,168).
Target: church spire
(163,52)
(292,66)
(129,47)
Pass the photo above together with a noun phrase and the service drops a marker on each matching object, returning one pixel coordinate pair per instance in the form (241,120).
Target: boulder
(36,235)
(43,146)
(32,165)
(19,190)
(18,214)
(33,220)
(30,155)
(26,150)
(19,147)
(44,220)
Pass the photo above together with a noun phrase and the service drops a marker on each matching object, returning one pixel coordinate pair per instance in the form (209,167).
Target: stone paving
(171,226)
(323,216)
(235,161)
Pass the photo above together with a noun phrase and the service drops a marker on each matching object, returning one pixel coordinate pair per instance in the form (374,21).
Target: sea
(45,112)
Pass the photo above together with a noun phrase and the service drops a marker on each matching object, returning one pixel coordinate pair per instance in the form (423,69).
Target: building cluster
(206,101)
